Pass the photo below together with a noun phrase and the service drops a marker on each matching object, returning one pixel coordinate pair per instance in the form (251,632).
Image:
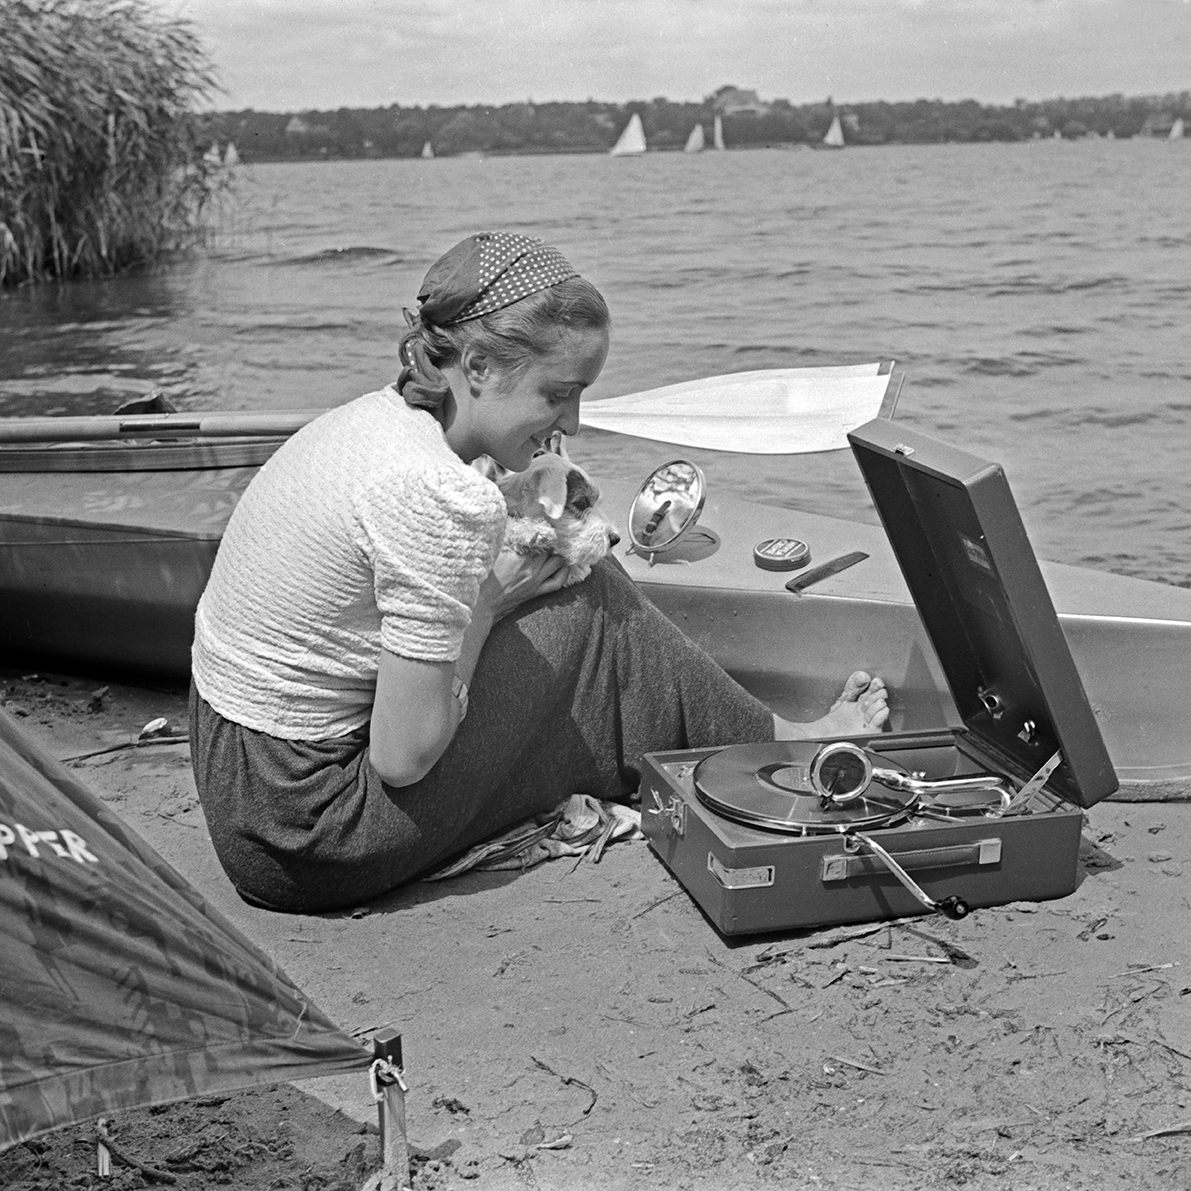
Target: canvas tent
(119,986)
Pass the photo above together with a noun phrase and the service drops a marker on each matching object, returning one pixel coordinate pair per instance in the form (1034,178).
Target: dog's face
(561,494)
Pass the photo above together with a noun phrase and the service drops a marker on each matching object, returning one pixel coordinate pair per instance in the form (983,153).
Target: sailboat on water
(631,141)
(696,142)
(1177,129)
(427,150)
(835,136)
(717,136)
(231,156)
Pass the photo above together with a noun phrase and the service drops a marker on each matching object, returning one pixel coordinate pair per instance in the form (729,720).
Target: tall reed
(100,166)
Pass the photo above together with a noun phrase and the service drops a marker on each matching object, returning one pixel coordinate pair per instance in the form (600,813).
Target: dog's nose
(613,537)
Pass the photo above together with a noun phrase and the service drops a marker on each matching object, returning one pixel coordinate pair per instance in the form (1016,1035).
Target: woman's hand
(516,578)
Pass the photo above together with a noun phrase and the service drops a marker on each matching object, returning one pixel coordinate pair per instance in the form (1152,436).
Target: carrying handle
(839,868)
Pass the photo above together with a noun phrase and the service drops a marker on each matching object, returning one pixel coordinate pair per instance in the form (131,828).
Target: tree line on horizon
(593,126)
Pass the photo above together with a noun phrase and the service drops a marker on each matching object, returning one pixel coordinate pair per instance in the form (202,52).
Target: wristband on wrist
(459,693)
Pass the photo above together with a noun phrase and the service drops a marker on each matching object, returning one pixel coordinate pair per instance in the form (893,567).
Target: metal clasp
(675,808)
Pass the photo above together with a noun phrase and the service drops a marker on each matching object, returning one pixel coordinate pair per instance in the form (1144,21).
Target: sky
(291,55)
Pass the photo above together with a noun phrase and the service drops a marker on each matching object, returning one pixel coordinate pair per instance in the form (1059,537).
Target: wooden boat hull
(102,568)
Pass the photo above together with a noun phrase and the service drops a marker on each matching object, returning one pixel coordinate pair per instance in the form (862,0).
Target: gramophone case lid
(959,539)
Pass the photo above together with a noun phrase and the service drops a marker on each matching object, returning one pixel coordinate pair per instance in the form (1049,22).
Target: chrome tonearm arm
(841,773)
(933,787)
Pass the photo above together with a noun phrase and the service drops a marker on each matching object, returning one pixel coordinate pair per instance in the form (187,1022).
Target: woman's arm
(415,715)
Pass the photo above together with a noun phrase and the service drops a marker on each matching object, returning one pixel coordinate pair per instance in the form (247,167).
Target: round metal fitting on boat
(781,554)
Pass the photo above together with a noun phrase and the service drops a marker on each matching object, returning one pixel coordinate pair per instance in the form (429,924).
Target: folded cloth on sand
(580,826)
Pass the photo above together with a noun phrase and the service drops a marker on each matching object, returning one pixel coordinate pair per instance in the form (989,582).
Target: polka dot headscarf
(487,272)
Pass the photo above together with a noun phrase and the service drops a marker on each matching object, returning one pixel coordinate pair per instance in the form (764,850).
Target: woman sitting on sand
(377,685)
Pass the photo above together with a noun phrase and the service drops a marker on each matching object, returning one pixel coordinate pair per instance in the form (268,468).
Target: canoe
(106,548)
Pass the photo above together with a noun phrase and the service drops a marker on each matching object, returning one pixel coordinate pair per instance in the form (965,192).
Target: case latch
(675,808)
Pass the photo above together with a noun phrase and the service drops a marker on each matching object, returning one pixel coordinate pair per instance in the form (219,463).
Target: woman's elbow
(404,768)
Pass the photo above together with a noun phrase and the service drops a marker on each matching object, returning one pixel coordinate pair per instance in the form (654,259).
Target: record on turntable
(808,788)
(771,786)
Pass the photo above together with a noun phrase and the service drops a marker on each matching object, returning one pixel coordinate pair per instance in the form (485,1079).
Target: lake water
(1037,297)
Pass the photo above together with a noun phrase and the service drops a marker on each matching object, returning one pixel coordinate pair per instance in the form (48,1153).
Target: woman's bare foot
(863,706)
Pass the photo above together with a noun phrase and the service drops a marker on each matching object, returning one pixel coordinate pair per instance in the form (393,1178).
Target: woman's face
(518,410)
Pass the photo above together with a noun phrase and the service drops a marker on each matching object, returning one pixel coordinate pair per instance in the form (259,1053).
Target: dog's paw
(528,535)
(576,574)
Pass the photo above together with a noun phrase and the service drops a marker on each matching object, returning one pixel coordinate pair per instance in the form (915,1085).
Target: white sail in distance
(835,135)
(631,140)
(695,142)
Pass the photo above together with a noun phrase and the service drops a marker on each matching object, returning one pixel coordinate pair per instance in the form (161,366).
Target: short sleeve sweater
(364,532)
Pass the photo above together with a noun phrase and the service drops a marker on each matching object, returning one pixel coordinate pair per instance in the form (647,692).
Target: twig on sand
(150,1172)
(1164,1131)
(858,1066)
(957,955)
(128,744)
(566,1079)
(1138,971)
(1173,1049)
(922,959)
(1143,1042)
(653,905)
(759,987)
(845,934)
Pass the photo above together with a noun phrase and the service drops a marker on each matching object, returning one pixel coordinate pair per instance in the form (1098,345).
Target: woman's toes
(857,684)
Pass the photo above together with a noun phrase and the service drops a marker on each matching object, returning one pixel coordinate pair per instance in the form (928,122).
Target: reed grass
(100,162)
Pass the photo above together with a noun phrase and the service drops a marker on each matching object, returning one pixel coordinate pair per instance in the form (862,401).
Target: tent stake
(387,1077)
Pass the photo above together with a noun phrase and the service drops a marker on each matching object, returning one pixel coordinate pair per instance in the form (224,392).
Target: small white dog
(552,510)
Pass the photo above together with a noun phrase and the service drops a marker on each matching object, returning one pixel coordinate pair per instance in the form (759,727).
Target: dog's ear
(489,468)
(556,444)
(546,484)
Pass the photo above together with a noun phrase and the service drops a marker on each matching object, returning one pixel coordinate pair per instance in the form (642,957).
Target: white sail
(631,140)
(231,156)
(777,411)
(717,136)
(1176,129)
(835,134)
(213,156)
(427,150)
(694,142)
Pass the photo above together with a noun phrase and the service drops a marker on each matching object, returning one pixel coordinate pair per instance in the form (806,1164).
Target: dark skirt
(570,692)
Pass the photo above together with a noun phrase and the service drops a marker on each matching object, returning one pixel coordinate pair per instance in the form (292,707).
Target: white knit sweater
(364,532)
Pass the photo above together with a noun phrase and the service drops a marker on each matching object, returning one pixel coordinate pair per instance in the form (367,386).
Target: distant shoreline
(525,129)
(666,151)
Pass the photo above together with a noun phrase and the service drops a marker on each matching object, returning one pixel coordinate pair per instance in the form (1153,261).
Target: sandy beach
(583,1025)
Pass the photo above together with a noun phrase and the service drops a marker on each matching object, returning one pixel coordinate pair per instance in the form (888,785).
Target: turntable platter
(768,785)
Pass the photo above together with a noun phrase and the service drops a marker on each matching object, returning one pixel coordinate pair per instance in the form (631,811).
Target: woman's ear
(476,368)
